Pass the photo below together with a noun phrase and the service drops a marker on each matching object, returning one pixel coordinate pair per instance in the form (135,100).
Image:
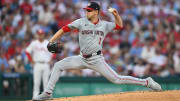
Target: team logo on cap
(89,4)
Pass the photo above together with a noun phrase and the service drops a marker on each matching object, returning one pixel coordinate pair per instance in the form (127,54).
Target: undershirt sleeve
(117,27)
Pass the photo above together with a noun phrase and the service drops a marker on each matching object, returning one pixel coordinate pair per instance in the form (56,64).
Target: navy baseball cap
(92,6)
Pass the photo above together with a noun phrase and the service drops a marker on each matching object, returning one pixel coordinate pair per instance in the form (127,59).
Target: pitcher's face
(91,13)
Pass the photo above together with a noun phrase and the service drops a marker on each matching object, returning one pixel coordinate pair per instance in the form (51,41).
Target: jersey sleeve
(29,49)
(75,24)
(110,26)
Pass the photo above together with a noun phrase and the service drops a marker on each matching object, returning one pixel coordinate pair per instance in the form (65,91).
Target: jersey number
(100,41)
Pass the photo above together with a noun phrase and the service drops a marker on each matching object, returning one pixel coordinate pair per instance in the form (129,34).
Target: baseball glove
(55,47)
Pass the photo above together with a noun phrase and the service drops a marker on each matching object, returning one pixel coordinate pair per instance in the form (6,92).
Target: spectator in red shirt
(26,7)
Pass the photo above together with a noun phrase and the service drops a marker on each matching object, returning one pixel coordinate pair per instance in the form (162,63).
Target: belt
(41,62)
(89,55)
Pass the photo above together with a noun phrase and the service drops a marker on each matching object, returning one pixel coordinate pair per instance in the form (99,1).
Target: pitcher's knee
(57,66)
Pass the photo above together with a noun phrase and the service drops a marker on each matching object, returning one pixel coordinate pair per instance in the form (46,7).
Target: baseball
(111,9)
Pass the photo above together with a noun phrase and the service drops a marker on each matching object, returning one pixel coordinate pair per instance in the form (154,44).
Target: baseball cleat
(153,85)
(42,97)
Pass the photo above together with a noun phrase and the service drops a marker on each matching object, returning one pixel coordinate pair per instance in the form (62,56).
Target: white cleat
(153,85)
(42,97)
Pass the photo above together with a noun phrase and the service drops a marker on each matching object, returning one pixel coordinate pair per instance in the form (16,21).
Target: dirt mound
(129,96)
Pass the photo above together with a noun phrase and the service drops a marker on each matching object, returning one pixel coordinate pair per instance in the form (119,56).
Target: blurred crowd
(149,43)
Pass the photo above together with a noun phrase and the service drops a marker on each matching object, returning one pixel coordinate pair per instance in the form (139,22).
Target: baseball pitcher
(92,31)
(40,59)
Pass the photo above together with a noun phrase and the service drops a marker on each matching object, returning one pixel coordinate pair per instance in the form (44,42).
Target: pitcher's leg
(73,62)
(103,68)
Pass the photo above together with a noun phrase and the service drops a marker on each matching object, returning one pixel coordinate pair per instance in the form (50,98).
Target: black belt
(89,55)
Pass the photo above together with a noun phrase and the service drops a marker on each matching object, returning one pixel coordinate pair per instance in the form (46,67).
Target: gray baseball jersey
(91,35)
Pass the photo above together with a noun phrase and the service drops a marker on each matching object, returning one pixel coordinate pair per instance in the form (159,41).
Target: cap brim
(87,8)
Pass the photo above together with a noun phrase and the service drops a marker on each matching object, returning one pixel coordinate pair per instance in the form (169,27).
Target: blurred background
(148,45)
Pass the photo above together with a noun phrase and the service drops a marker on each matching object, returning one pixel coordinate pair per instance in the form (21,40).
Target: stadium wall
(20,86)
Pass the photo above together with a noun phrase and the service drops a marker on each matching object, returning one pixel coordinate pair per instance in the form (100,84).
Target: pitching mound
(129,96)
